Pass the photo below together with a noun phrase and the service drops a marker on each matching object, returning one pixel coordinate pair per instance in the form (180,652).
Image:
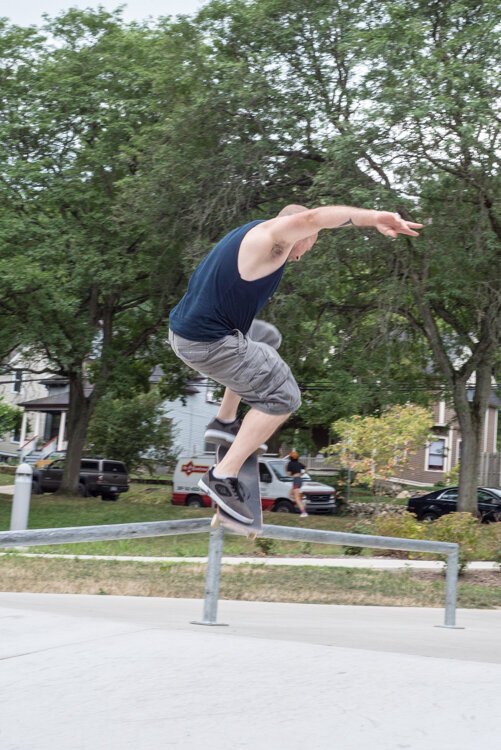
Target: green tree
(133,430)
(264,92)
(389,104)
(375,447)
(10,417)
(432,84)
(84,286)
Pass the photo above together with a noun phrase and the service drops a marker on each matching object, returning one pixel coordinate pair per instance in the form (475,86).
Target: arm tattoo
(346,223)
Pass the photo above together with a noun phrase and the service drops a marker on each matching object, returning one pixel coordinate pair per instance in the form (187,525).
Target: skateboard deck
(249,476)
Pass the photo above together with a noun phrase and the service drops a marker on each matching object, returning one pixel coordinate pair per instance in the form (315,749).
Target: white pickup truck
(274,482)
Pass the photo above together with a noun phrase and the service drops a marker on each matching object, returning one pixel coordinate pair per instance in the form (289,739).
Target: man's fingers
(407,228)
(399,226)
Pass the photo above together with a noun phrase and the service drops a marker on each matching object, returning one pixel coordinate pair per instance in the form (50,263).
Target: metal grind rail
(40,537)
(290,533)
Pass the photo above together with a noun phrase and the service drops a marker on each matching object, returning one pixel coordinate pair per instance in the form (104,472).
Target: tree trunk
(471,417)
(79,413)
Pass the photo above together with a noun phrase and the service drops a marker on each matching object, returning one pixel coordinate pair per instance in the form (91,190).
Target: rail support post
(21,500)
(212,578)
(451,584)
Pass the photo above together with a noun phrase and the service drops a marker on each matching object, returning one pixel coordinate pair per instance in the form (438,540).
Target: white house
(44,401)
(43,420)
(191,418)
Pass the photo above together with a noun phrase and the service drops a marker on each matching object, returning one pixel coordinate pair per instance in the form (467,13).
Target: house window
(436,455)
(18,381)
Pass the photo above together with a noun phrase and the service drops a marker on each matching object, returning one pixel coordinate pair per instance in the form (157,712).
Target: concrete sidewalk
(374,563)
(126,673)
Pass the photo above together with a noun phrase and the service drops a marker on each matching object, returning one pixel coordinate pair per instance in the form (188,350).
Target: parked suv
(98,476)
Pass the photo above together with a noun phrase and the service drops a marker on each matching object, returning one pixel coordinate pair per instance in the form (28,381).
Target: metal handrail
(40,537)
(334,537)
(70,534)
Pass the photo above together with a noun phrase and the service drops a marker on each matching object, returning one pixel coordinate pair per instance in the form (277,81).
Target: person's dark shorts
(251,368)
(297,483)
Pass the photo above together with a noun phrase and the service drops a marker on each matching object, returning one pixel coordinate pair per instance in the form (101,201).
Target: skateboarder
(295,468)
(210,330)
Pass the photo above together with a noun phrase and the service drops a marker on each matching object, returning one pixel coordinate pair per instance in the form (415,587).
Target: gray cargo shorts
(250,367)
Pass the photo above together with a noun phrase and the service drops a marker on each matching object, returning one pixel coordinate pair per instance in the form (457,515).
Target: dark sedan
(434,504)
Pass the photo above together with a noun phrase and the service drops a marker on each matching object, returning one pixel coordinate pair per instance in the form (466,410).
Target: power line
(320,387)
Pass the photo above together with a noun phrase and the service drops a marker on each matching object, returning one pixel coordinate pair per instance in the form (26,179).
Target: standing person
(210,330)
(295,469)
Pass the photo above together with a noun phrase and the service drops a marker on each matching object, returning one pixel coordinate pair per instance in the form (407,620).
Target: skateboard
(249,476)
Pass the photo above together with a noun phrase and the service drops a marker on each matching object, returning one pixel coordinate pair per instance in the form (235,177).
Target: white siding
(191,420)
(31,389)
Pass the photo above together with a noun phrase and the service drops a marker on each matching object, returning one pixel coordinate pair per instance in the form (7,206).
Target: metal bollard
(21,499)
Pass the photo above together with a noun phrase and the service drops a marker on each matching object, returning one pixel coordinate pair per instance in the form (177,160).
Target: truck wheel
(35,488)
(109,496)
(194,501)
(284,506)
(82,490)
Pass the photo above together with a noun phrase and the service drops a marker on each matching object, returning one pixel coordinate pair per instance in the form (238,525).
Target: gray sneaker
(220,432)
(229,494)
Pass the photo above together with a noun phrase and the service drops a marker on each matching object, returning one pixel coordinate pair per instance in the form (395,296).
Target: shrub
(476,541)
(404,526)
(357,528)
(265,546)
(461,528)
(452,476)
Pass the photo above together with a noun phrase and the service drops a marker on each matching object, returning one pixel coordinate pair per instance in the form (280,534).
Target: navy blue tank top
(218,300)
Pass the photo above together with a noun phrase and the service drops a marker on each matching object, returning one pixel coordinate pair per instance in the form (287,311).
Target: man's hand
(391,225)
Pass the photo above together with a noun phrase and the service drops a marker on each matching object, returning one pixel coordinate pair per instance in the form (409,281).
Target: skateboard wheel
(252,535)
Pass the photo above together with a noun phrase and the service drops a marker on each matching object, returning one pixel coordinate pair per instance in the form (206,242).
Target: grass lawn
(247,582)
(152,503)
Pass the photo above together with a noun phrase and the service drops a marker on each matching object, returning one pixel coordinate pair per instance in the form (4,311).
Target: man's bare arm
(266,246)
(291,229)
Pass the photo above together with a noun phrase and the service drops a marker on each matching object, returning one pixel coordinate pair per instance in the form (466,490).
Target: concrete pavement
(374,563)
(130,673)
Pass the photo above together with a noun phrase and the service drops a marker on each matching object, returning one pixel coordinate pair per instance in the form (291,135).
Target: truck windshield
(280,469)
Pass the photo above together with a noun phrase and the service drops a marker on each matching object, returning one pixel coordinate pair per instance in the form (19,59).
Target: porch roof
(57,402)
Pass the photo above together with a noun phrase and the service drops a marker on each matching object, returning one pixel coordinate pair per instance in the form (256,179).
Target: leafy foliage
(133,430)
(10,417)
(459,528)
(77,102)
(128,150)
(374,447)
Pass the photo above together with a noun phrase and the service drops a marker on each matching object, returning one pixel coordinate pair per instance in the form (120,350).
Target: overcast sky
(28,12)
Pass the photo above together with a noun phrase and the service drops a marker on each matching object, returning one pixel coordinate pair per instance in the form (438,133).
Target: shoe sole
(217,436)
(221,504)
